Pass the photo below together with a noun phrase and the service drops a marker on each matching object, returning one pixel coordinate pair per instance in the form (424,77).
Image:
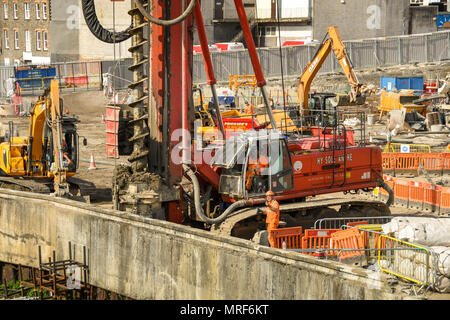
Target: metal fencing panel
(369,53)
(5,74)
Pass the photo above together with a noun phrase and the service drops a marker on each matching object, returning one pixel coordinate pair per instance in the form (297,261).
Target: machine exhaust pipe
(198,204)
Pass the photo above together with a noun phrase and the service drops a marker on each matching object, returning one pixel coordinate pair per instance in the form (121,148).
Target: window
(44,34)
(5,10)
(16,11)
(270,31)
(44,10)
(6,37)
(26,10)
(27,41)
(16,39)
(7,62)
(38,9)
(38,40)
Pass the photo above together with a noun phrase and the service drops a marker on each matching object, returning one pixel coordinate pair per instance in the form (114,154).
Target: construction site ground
(89,106)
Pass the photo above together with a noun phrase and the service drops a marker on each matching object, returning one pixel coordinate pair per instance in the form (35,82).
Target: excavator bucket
(346,100)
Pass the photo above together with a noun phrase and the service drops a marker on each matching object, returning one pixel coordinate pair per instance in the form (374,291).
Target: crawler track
(300,214)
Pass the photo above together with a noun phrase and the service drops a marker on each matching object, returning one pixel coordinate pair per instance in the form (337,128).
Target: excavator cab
(322,111)
(253,163)
(69,146)
(202,114)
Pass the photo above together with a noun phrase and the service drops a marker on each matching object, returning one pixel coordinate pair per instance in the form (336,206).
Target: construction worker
(272,213)
(65,154)
(249,108)
(256,167)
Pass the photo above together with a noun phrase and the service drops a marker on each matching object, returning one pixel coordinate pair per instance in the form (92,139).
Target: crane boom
(333,42)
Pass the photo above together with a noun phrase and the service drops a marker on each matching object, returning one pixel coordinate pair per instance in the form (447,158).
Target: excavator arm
(60,173)
(333,42)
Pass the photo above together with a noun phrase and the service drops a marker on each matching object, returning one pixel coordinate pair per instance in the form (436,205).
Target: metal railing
(339,223)
(407,261)
(397,147)
(75,76)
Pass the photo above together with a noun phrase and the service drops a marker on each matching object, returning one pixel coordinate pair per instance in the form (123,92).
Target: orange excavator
(332,42)
(208,186)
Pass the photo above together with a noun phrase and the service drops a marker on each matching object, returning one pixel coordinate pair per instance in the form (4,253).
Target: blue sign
(404,148)
(443,21)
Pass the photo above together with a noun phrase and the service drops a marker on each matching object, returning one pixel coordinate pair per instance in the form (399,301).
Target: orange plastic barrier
(446,161)
(319,239)
(445,200)
(401,191)
(416,195)
(406,161)
(348,239)
(357,223)
(411,161)
(290,236)
(432,161)
(388,161)
(431,197)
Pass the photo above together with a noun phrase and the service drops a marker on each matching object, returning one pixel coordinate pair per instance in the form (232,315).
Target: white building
(294,18)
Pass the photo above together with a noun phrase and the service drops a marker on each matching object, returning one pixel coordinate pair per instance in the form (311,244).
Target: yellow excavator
(42,161)
(332,42)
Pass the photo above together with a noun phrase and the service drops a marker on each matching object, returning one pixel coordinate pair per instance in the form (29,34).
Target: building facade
(25,37)
(289,20)
(222,23)
(72,39)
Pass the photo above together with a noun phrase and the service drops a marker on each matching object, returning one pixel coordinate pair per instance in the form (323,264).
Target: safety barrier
(339,223)
(236,81)
(415,161)
(319,239)
(371,239)
(416,195)
(398,147)
(406,260)
(347,239)
(291,237)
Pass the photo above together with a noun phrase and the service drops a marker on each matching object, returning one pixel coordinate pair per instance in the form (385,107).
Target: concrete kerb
(329,268)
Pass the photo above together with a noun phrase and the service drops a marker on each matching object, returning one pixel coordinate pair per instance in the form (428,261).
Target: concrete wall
(71,38)
(359,19)
(422,19)
(149,259)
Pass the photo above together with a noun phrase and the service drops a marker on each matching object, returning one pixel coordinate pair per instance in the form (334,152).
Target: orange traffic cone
(92,164)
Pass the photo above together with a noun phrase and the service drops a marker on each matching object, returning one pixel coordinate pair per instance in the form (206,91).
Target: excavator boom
(333,42)
(60,173)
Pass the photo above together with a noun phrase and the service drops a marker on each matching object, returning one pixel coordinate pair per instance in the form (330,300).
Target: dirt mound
(123,176)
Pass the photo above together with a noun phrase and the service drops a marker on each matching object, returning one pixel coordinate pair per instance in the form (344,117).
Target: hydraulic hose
(388,189)
(198,205)
(160,22)
(90,16)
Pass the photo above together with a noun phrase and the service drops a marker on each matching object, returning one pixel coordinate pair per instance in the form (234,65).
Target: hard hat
(270,193)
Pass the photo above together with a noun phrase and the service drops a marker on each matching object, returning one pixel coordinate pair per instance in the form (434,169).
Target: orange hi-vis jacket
(272,213)
(254,168)
(249,109)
